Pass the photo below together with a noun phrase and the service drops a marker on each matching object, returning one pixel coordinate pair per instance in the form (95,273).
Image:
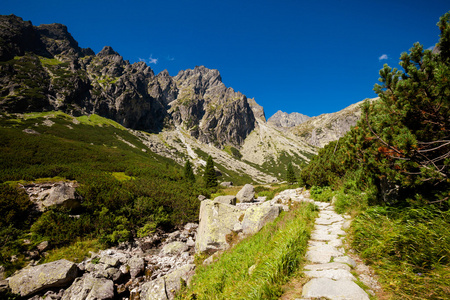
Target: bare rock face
(59,193)
(258,216)
(217,220)
(34,279)
(284,120)
(211,112)
(67,78)
(320,130)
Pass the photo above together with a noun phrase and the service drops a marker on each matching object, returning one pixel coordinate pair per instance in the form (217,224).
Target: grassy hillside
(127,191)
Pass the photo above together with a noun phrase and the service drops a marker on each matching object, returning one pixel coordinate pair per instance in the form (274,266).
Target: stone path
(329,268)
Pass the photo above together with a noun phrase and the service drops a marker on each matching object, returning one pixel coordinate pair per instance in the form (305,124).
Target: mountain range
(190,115)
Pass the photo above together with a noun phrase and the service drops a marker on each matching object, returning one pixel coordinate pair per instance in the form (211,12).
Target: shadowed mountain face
(44,69)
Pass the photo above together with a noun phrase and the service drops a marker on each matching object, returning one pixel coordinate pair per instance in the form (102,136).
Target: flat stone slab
(336,274)
(328,266)
(333,289)
(323,236)
(322,254)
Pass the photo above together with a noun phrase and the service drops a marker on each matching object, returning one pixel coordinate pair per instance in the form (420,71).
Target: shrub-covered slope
(392,170)
(125,188)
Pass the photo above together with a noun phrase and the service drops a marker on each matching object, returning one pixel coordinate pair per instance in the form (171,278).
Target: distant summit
(284,120)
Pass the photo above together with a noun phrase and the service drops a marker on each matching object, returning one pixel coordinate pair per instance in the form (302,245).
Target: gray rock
(216,221)
(43,246)
(246,194)
(109,260)
(226,199)
(59,193)
(174,248)
(34,279)
(89,287)
(165,287)
(331,289)
(4,286)
(284,120)
(201,197)
(226,184)
(137,266)
(258,216)
(2,272)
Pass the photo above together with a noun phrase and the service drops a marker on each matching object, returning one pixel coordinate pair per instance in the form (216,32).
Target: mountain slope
(319,131)
(43,69)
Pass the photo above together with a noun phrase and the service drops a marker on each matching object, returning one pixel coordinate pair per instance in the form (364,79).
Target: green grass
(75,252)
(276,253)
(409,249)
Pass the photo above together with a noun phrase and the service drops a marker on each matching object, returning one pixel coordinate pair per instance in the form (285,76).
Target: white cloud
(383,57)
(170,58)
(150,60)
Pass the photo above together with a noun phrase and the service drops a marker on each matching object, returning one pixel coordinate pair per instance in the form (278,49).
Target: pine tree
(210,174)
(188,173)
(290,175)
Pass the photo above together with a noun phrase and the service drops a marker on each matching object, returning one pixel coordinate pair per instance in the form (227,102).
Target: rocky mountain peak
(76,81)
(284,120)
(107,51)
(18,36)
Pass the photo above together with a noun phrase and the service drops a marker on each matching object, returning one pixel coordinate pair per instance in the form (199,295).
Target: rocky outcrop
(211,112)
(284,120)
(60,194)
(216,221)
(319,131)
(34,279)
(221,223)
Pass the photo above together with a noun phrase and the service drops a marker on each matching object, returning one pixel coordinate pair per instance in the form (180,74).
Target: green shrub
(324,194)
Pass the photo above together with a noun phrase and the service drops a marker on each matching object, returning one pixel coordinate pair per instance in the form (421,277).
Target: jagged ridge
(45,69)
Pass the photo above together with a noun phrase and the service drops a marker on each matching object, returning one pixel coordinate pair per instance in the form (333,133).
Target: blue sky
(310,57)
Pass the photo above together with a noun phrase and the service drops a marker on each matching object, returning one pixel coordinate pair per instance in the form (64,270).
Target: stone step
(333,289)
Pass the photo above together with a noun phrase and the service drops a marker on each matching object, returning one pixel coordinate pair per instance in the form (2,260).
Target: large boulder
(246,194)
(89,287)
(216,221)
(60,193)
(226,199)
(30,280)
(137,266)
(165,287)
(258,216)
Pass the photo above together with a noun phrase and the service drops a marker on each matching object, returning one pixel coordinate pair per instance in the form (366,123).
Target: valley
(94,181)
